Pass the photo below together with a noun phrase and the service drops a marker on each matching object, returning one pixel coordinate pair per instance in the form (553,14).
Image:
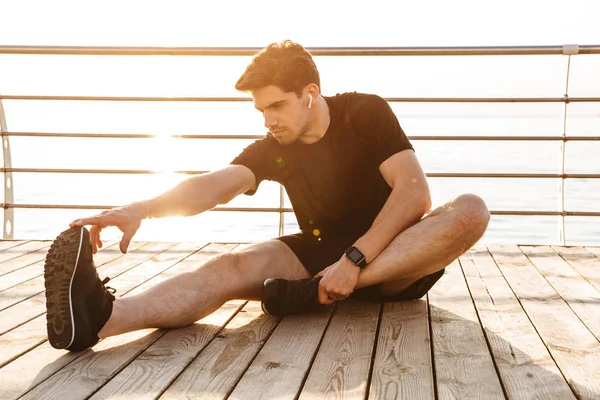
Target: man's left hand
(338,281)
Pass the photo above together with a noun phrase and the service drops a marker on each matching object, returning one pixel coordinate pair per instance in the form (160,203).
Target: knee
(472,213)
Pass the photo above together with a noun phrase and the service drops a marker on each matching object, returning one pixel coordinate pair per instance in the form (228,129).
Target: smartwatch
(356,257)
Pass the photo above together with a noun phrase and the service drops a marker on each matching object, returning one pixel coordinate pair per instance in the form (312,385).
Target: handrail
(287,209)
(563,99)
(199,172)
(316,51)
(249,136)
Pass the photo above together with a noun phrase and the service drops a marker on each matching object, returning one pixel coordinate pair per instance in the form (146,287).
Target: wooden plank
(39,364)
(33,333)
(25,263)
(463,364)
(341,367)
(402,368)
(26,310)
(281,366)
(105,365)
(35,286)
(21,275)
(24,260)
(583,261)
(580,295)
(594,250)
(575,350)
(214,373)
(525,366)
(9,244)
(22,249)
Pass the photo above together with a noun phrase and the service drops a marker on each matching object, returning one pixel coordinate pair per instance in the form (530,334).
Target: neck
(319,121)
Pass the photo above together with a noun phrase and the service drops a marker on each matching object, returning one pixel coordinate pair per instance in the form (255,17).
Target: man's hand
(128,219)
(338,281)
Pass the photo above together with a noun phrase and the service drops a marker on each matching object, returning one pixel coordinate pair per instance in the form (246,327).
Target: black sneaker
(281,297)
(77,302)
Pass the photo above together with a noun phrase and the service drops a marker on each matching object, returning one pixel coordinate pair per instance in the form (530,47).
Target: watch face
(355,255)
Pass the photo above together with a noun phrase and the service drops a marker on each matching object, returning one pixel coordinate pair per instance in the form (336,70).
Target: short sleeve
(374,121)
(256,157)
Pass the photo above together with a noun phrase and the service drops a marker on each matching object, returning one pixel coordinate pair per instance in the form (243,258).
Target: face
(286,116)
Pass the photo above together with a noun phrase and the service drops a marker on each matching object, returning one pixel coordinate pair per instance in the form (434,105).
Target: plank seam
(485,336)
(314,356)
(556,290)
(27,265)
(2,365)
(251,361)
(531,322)
(374,351)
(577,269)
(204,348)
(431,349)
(125,365)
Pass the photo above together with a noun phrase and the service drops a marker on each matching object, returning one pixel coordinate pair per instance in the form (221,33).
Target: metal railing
(567,50)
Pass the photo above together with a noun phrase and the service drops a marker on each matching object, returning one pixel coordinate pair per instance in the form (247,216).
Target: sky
(310,22)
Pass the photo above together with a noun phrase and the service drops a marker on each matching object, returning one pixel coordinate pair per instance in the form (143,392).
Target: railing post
(8,226)
(568,50)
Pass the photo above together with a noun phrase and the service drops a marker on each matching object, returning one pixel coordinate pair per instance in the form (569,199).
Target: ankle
(111,327)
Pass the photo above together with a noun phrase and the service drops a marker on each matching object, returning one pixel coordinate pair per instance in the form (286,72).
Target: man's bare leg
(188,297)
(428,246)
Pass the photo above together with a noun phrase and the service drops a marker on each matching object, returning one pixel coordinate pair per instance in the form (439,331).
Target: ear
(313,90)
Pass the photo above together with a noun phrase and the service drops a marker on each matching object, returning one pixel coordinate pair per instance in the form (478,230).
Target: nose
(270,121)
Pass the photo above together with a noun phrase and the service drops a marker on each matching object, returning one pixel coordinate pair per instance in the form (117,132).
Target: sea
(391,77)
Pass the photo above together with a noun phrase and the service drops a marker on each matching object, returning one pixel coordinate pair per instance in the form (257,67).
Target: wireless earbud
(310,100)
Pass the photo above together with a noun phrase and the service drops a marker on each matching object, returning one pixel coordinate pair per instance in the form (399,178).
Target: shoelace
(110,289)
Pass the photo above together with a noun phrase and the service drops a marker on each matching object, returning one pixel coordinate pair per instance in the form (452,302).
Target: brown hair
(286,65)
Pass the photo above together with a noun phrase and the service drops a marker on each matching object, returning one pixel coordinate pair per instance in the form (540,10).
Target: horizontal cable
(130,135)
(98,171)
(248,136)
(316,51)
(197,172)
(285,209)
(105,207)
(509,175)
(248,99)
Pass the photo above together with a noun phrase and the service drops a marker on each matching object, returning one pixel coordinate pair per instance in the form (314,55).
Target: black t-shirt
(334,184)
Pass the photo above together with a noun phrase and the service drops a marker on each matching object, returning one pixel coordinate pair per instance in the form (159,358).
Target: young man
(357,190)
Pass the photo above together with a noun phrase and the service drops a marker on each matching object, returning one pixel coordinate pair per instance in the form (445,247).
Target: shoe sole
(59,270)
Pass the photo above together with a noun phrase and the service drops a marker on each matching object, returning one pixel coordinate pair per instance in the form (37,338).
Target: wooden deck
(504,322)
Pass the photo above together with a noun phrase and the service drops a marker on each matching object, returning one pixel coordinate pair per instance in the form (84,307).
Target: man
(357,190)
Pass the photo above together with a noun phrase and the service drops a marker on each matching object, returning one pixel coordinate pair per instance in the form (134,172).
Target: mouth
(277,132)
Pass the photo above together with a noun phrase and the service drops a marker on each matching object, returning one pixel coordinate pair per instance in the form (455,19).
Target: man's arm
(406,205)
(198,194)
(190,197)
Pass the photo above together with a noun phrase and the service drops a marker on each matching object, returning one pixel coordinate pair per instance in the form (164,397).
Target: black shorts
(316,255)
